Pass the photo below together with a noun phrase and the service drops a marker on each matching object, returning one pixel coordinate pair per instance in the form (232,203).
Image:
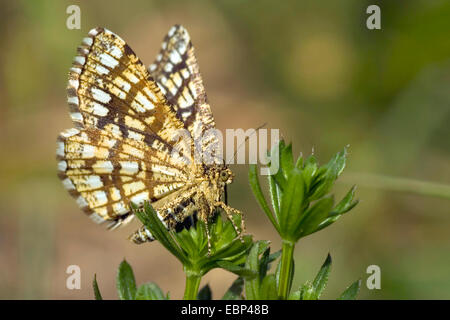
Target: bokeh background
(311,69)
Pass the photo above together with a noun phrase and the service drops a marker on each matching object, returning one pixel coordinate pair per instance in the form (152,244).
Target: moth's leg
(230,211)
(205,212)
(208,236)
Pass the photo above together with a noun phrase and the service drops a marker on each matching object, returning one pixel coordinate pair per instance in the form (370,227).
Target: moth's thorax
(211,181)
(215,176)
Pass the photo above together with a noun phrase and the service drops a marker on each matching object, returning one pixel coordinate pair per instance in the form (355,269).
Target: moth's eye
(224,175)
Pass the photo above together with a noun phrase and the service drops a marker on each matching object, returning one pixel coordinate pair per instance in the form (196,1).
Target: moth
(124,146)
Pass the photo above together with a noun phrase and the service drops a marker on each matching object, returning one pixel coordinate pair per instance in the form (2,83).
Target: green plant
(301,204)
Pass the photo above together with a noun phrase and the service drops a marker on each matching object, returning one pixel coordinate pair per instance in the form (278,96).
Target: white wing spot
(140,197)
(175,57)
(101,69)
(108,61)
(168,67)
(144,101)
(94,182)
(116,52)
(100,95)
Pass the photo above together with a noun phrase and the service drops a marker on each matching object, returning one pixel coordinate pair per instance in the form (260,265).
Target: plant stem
(192,285)
(287,253)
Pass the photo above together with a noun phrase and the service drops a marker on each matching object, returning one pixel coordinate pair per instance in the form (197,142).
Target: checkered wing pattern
(177,74)
(126,131)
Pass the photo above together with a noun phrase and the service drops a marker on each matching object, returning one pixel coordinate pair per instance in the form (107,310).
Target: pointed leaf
(150,291)
(235,291)
(256,188)
(291,204)
(238,270)
(126,284)
(313,217)
(307,291)
(287,160)
(333,169)
(97,293)
(351,292)
(295,295)
(309,170)
(275,196)
(346,203)
(268,290)
(205,293)
(321,279)
(280,176)
(252,263)
(149,218)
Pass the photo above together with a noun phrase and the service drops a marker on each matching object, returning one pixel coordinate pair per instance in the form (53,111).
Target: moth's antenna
(246,139)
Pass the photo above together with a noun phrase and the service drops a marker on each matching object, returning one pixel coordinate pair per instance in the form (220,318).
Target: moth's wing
(177,74)
(104,172)
(110,89)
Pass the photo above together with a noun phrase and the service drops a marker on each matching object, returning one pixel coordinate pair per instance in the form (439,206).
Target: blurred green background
(311,69)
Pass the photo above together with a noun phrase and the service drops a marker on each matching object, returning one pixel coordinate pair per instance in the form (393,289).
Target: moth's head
(225,175)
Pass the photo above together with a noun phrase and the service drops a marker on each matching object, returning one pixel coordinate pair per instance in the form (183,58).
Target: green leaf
(150,219)
(126,284)
(287,160)
(295,295)
(238,270)
(97,293)
(252,286)
(313,217)
(307,291)
(329,173)
(300,161)
(346,203)
(321,279)
(279,176)
(235,290)
(150,291)
(265,261)
(275,196)
(256,188)
(351,292)
(205,293)
(274,256)
(268,290)
(309,170)
(291,204)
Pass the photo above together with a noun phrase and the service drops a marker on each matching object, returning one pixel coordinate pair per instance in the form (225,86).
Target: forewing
(177,74)
(110,89)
